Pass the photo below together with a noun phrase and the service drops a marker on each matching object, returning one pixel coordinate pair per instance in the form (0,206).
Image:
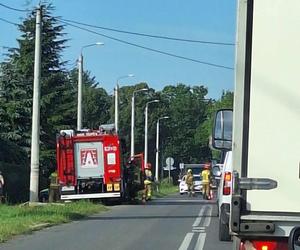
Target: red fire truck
(89,165)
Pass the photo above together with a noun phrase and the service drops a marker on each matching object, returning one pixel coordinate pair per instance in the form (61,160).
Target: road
(175,222)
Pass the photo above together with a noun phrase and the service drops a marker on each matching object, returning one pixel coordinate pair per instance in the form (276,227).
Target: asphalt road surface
(175,222)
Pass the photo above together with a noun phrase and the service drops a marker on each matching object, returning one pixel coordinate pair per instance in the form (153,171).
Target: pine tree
(16,82)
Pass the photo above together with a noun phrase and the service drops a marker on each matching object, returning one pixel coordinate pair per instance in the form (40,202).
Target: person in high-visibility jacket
(147,183)
(189,180)
(206,181)
(54,187)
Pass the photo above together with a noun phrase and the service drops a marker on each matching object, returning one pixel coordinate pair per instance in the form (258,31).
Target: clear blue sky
(209,20)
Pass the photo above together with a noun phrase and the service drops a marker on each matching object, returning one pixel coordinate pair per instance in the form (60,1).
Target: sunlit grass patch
(165,188)
(23,219)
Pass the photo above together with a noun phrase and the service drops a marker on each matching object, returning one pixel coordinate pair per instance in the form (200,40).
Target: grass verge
(164,188)
(25,219)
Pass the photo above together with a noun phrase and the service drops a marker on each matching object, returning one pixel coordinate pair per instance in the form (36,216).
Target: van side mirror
(294,239)
(222,130)
(216,171)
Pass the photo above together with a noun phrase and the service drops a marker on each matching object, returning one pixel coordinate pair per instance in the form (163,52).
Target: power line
(132,33)
(149,35)
(149,49)
(11,8)
(6,21)
(133,44)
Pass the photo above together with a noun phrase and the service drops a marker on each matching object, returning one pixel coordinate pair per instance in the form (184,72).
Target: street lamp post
(80,76)
(157,146)
(132,119)
(146,132)
(116,90)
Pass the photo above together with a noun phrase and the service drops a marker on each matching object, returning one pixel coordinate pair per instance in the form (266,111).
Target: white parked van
(224,198)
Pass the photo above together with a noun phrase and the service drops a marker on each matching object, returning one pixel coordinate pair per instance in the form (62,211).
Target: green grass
(164,188)
(16,220)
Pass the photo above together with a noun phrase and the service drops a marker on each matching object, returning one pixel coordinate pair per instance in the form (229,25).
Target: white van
(224,198)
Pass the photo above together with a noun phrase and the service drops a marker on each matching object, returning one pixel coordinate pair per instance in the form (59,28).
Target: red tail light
(264,245)
(227,183)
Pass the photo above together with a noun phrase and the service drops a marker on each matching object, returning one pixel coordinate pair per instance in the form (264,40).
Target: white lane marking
(200,241)
(186,242)
(198,219)
(207,217)
(198,231)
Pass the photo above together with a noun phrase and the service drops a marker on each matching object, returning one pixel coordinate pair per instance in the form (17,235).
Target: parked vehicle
(89,165)
(265,142)
(183,189)
(224,198)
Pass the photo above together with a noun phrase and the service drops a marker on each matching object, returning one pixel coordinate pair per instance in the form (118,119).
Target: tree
(96,103)
(125,95)
(15,168)
(187,109)
(16,80)
(225,102)
(15,105)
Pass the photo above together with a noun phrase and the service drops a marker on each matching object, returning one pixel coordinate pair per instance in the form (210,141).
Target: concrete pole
(117,108)
(146,136)
(79,101)
(132,126)
(146,131)
(157,150)
(117,101)
(35,134)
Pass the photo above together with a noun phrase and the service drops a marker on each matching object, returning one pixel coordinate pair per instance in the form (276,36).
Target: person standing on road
(1,187)
(147,194)
(206,181)
(54,187)
(189,180)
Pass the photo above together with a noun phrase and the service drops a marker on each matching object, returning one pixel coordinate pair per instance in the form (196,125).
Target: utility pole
(146,132)
(116,94)
(35,135)
(132,119)
(146,136)
(79,101)
(80,85)
(157,146)
(132,126)
(117,108)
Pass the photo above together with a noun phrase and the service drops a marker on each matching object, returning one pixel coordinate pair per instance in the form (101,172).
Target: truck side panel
(65,160)
(112,161)
(274,128)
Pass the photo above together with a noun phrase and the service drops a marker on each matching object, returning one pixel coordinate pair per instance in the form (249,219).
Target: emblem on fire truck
(88,158)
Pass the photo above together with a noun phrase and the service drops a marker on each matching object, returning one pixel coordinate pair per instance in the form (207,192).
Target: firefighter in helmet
(189,180)
(54,187)
(147,183)
(206,176)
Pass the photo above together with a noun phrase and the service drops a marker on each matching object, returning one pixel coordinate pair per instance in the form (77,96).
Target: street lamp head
(151,102)
(90,45)
(122,77)
(140,90)
(163,117)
